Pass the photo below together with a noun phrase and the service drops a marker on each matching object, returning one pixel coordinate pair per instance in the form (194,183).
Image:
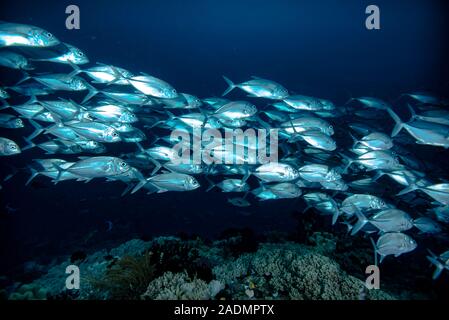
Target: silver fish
(230,185)
(14,34)
(107,112)
(394,243)
(429,133)
(258,87)
(324,203)
(276,172)
(318,173)
(427,225)
(441,262)
(8,147)
(169,182)
(96,167)
(14,60)
(153,86)
(95,131)
(10,121)
(300,102)
(362,202)
(72,55)
(235,110)
(390,220)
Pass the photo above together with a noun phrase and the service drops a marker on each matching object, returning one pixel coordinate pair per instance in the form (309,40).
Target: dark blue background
(319,48)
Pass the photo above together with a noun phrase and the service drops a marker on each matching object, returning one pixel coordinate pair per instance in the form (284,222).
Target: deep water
(313,48)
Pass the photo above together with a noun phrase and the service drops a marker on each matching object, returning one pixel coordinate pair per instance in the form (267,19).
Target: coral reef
(171,268)
(29,292)
(178,286)
(291,271)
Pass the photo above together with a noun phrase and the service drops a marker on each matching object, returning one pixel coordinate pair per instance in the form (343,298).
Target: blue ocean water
(320,49)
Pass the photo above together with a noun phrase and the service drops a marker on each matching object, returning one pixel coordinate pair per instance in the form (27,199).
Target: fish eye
(48,34)
(123,164)
(80,53)
(12,147)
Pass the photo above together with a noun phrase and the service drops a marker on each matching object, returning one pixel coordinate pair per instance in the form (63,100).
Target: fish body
(260,88)
(22,35)
(362,202)
(235,110)
(14,60)
(300,102)
(97,167)
(112,113)
(96,131)
(323,203)
(172,182)
(153,86)
(276,172)
(8,147)
(389,220)
(10,121)
(394,243)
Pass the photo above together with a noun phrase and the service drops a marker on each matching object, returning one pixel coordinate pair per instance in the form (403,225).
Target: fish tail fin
(34,174)
(33,99)
(91,94)
(412,112)
(157,166)
(139,145)
(30,144)
(264,124)
(346,167)
(12,174)
(246,176)
(362,220)
(139,185)
(351,97)
(26,76)
(60,172)
(378,175)
(211,184)
(408,189)
(231,86)
(127,189)
(399,124)
(155,124)
(354,140)
(171,116)
(37,129)
(335,216)
(118,76)
(375,251)
(5,106)
(439,266)
(142,182)
(76,69)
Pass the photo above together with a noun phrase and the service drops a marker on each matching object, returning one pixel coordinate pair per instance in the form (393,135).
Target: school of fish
(354,163)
